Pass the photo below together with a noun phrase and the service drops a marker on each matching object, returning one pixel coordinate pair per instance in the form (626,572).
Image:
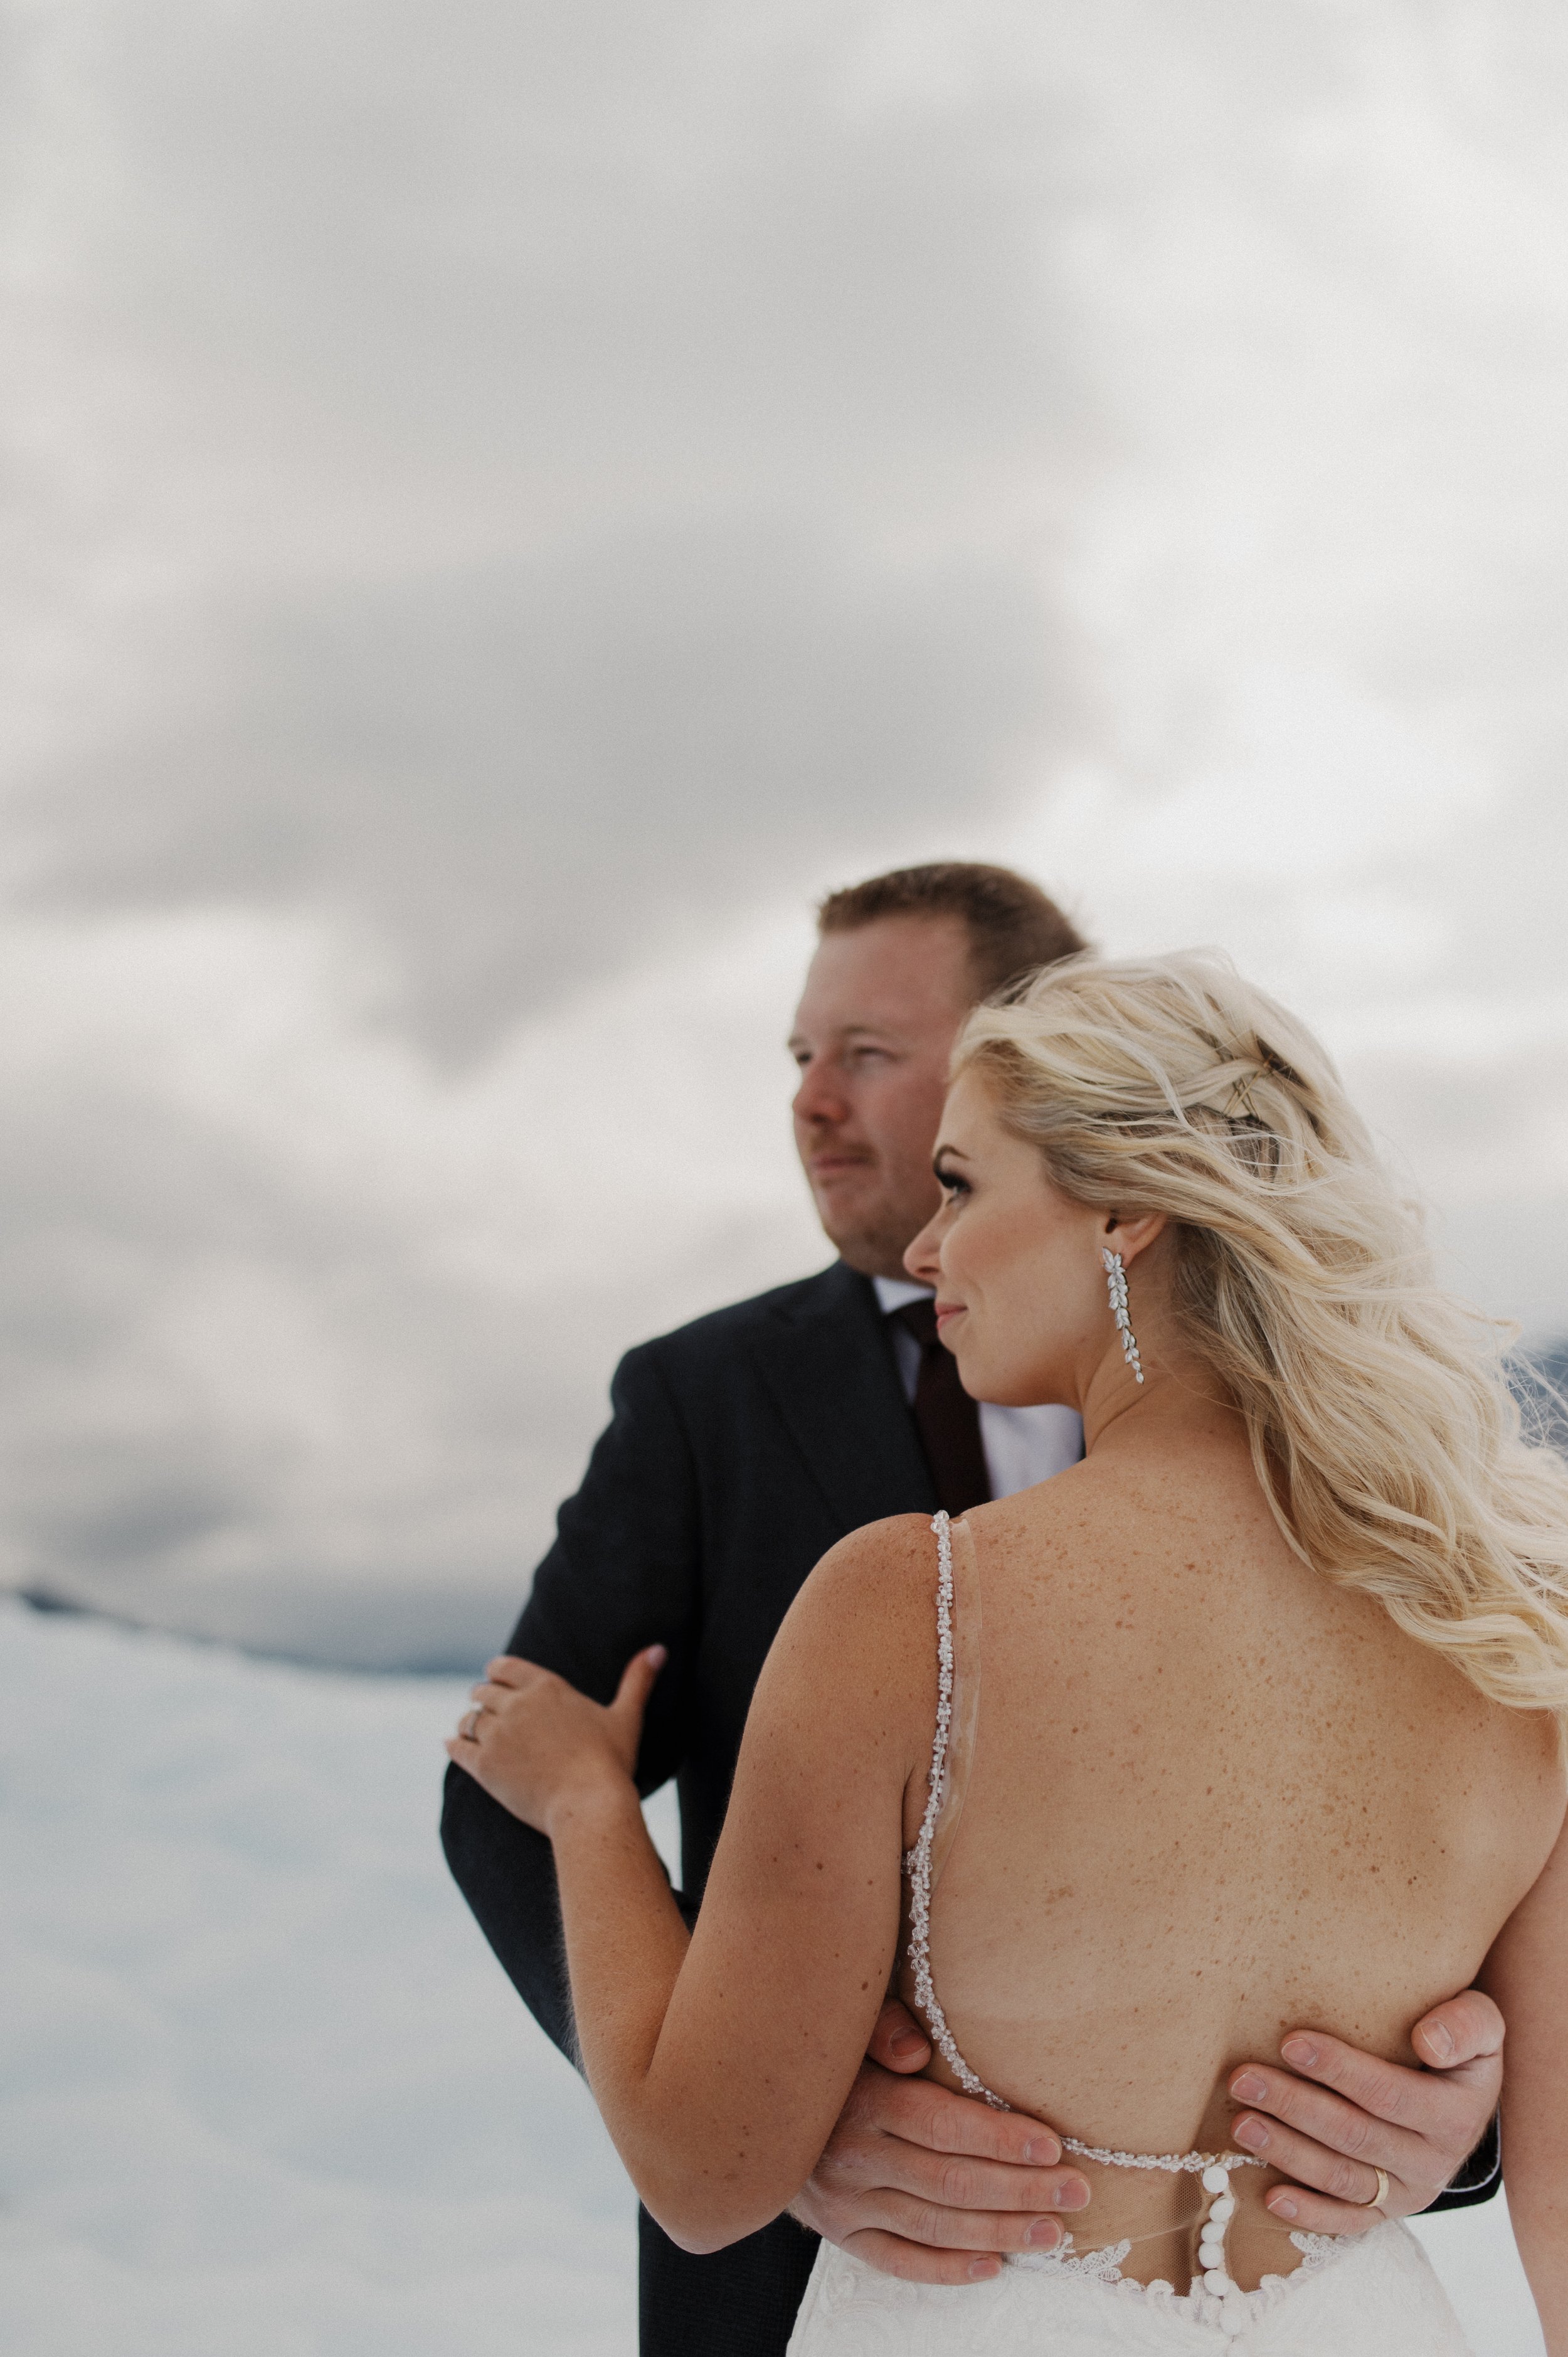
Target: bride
(1305,1599)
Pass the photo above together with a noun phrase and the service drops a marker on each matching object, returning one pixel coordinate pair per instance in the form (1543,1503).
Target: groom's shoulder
(832,1296)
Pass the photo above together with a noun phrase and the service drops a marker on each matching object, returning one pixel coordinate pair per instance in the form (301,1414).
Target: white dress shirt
(1021,1445)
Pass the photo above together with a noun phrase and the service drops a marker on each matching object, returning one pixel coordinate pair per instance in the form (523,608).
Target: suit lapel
(826,1364)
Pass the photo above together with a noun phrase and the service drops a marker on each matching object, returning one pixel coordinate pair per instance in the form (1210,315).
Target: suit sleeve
(623,1573)
(1478,2180)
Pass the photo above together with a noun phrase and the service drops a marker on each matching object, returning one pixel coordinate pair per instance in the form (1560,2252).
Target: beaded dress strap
(918,1866)
(917,1861)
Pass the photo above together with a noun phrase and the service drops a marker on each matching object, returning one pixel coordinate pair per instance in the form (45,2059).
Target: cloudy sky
(504,504)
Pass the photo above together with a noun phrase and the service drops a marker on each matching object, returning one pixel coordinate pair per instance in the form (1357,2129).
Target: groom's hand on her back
(930,2185)
(933,2186)
(1337,2116)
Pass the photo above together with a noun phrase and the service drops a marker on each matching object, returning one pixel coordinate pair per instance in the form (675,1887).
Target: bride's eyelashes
(953,1185)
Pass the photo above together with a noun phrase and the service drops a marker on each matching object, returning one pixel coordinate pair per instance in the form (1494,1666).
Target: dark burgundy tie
(947,1419)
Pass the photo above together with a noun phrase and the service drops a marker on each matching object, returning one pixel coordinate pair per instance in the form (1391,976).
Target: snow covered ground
(263,2093)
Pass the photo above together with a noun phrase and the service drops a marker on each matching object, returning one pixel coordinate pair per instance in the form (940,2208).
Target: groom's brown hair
(1012,926)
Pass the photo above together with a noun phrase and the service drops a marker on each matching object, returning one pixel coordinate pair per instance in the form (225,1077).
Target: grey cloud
(613,236)
(528,775)
(670,415)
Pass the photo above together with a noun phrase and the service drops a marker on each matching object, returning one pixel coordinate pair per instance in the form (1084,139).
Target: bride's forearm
(721,2062)
(653,2078)
(625,1943)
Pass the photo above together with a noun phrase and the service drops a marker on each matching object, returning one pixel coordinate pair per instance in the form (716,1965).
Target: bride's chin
(1005,1385)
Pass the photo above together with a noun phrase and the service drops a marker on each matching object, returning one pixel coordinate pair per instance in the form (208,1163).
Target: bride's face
(1019,1281)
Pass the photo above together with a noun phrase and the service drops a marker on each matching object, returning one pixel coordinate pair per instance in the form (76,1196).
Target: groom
(740,1449)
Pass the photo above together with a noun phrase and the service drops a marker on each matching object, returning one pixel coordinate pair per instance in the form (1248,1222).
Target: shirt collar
(894,1292)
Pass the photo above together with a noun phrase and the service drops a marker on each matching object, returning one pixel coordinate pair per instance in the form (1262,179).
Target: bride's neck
(1179,1399)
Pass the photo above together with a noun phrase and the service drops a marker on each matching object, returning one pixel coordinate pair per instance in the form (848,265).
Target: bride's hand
(533,1741)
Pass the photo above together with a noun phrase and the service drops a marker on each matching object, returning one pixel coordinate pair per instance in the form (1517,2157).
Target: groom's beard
(866,1213)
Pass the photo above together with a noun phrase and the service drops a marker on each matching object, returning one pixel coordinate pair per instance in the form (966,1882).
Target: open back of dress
(1345,2296)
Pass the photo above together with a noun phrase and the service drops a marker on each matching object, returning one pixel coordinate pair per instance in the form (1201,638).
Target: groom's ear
(1130,1233)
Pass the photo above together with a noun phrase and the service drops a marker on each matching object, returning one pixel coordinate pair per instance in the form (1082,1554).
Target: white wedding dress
(1373,2295)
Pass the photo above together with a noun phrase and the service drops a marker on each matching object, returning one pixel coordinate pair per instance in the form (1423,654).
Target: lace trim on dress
(1230,2312)
(1096,2266)
(1104,2265)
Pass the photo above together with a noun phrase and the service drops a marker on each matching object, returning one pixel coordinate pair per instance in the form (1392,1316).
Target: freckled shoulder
(867,1613)
(880,1576)
(1054,1512)
(888,1554)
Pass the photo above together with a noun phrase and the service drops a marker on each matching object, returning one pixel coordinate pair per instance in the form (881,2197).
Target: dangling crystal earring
(1116,1284)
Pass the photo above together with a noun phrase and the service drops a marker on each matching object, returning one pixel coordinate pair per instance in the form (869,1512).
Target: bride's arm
(1527,1973)
(800,1920)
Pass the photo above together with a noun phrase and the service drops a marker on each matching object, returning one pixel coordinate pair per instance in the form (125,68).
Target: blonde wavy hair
(1383,1427)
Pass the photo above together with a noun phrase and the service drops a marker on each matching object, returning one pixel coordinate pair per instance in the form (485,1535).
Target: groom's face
(875,1027)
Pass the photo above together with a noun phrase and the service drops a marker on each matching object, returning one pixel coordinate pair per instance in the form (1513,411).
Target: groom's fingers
(949,2241)
(1464,2029)
(936,2228)
(1323,2181)
(974,2205)
(890,2255)
(943,2180)
(1425,2102)
(898,2042)
(935,2121)
(912,2167)
(1314,2213)
(943,2155)
(1339,2116)
(1332,2151)
(1319,2120)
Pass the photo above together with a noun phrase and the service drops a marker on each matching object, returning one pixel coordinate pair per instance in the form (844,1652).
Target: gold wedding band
(472,1732)
(1381,2195)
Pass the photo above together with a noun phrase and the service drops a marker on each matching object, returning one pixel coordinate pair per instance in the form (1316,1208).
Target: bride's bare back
(1212,1795)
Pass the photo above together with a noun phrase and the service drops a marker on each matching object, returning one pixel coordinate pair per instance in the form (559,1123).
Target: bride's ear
(1131,1235)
